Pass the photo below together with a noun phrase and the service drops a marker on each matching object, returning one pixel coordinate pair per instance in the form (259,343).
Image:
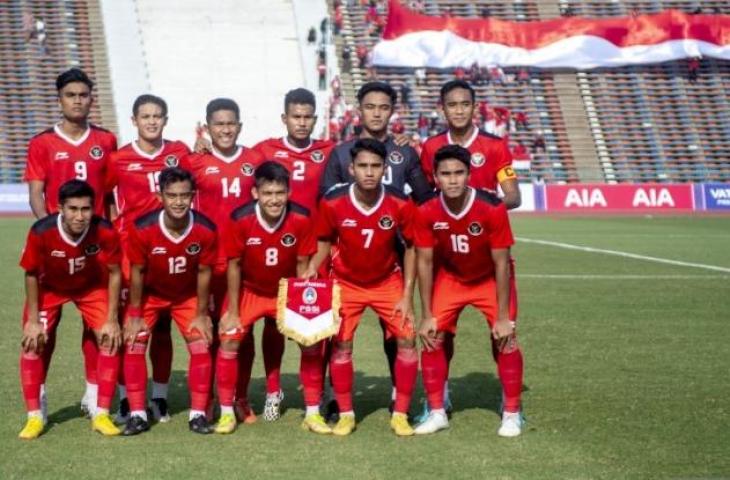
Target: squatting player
(133,176)
(267,240)
(465,233)
(171,251)
(72,149)
(71,256)
(364,219)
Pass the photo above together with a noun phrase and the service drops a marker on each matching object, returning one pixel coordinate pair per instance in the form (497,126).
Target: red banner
(594,198)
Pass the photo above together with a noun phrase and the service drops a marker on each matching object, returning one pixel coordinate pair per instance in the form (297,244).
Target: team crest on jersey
(193,249)
(317,156)
(96,152)
(309,296)
(247,169)
(477,159)
(475,229)
(92,249)
(288,240)
(385,222)
(171,161)
(395,157)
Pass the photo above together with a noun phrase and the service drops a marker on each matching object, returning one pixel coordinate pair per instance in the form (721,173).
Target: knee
(342,353)
(197,346)
(406,344)
(229,345)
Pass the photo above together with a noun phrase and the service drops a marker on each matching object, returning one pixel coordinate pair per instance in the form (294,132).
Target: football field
(625,327)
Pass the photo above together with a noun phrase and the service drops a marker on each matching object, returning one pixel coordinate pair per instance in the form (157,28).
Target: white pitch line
(578,276)
(617,253)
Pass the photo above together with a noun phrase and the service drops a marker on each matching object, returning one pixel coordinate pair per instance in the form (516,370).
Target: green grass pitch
(626,376)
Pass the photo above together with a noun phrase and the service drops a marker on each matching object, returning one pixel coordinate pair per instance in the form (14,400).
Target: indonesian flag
(414,40)
(308,311)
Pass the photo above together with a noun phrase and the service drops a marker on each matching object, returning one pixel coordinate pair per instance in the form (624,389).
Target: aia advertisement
(595,198)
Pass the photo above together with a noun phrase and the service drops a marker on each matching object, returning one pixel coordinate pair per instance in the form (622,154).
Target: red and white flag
(414,40)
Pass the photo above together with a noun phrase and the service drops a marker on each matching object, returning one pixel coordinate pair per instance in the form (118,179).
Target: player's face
(299,120)
(75,101)
(76,214)
(150,122)
(176,199)
(272,198)
(375,111)
(458,108)
(224,128)
(367,169)
(452,177)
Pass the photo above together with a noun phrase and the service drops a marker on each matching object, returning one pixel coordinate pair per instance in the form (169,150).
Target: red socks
(310,374)
(246,354)
(91,354)
(226,374)
(434,370)
(273,347)
(135,373)
(510,367)
(341,371)
(199,371)
(107,372)
(406,371)
(161,349)
(32,374)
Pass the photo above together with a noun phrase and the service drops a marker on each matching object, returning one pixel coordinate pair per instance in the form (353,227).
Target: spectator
(693,68)
(346,58)
(474,75)
(421,76)
(521,122)
(322,71)
(538,142)
(339,19)
(567,11)
(417,5)
(312,36)
(323,27)
(434,118)
(486,13)
(405,96)
(484,110)
(362,54)
(322,53)
(422,125)
(459,73)
(523,76)
(28,26)
(40,33)
(519,152)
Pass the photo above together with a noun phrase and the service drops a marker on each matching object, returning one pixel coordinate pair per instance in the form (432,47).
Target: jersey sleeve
(110,247)
(422,233)
(500,232)
(332,174)
(308,245)
(427,163)
(407,218)
(36,167)
(210,249)
(420,185)
(111,178)
(31,260)
(137,252)
(325,229)
(233,242)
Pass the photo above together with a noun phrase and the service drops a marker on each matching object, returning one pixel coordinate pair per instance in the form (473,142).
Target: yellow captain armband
(507,173)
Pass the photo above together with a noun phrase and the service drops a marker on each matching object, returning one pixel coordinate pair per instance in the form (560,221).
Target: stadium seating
(27,94)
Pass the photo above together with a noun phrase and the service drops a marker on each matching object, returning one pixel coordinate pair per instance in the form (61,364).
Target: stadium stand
(27,94)
(647,123)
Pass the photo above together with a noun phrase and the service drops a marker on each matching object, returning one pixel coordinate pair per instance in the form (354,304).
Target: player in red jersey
(303,156)
(172,251)
(491,163)
(73,148)
(465,233)
(70,256)
(267,240)
(133,175)
(224,177)
(364,219)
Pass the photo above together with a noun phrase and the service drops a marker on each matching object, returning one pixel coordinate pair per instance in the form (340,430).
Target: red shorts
(183,312)
(381,297)
(92,304)
(252,307)
(451,296)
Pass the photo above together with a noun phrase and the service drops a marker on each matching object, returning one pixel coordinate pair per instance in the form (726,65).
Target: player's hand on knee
(229,324)
(404,310)
(502,331)
(132,328)
(110,337)
(427,333)
(34,337)
(204,326)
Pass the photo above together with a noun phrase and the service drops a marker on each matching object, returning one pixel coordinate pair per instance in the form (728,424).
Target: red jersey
(306,166)
(268,254)
(68,266)
(134,176)
(491,161)
(462,243)
(365,239)
(54,159)
(224,184)
(171,264)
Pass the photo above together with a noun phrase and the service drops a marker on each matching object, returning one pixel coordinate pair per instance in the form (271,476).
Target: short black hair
(147,98)
(299,96)
(381,87)
(368,145)
(452,152)
(219,104)
(174,175)
(271,171)
(75,189)
(453,85)
(73,75)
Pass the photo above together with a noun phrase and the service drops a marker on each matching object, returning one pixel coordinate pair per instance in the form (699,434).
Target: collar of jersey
(64,235)
(142,153)
(467,207)
(468,142)
(359,207)
(166,232)
(67,139)
(263,222)
(291,147)
(223,158)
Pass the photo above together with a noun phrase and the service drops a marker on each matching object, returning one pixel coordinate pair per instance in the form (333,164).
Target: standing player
(171,251)
(71,149)
(490,164)
(70,256)
(465,233)
(376,104)
(224,178)
(364,220)
(268,239)
(133,175)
